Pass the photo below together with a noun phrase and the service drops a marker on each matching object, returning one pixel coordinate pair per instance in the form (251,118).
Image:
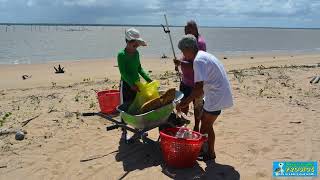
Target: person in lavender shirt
(188,74)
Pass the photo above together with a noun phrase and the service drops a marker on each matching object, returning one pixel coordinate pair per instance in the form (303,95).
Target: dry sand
(275,117)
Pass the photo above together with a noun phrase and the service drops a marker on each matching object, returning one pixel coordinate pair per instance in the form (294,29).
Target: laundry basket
(179,152)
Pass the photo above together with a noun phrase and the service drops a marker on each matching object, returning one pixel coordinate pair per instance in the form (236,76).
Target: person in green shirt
(130,67)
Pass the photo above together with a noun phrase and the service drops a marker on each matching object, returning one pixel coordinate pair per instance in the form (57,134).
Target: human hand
(135,88)
(176,62)
(176,68)
(181,105)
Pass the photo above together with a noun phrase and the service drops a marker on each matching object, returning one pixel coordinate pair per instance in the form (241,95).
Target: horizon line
(146,25)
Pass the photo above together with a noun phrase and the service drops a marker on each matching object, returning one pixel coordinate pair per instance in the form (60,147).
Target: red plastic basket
(177,152)
(108,101)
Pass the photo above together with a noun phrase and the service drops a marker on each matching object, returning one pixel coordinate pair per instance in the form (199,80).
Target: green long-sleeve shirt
(130,67)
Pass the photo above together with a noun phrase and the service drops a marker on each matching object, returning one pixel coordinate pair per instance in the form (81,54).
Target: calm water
(34,44)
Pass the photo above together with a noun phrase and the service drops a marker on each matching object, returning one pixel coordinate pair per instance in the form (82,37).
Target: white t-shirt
(216,86)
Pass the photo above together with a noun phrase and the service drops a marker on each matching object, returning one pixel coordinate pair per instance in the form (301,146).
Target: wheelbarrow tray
(151,119)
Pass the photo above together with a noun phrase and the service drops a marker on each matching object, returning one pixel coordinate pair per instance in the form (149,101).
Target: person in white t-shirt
(211,80)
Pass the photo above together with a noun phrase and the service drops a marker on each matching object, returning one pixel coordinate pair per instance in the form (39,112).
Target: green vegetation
(3,119)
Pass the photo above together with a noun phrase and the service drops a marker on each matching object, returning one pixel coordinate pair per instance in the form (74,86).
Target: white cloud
(30,3)
(86,3)
(252,7)
(210,12)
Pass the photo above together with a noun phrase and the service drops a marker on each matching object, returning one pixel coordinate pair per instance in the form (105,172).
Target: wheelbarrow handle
(109,128)
(88,114)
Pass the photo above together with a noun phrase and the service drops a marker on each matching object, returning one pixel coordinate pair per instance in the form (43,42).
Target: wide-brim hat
(134,34)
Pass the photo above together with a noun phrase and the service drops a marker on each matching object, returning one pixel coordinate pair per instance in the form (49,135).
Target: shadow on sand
(212,171)
(138,156)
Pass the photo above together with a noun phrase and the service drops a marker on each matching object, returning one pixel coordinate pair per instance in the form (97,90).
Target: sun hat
(134,34)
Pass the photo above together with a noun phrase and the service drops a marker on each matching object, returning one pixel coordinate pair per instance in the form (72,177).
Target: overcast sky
(243,13)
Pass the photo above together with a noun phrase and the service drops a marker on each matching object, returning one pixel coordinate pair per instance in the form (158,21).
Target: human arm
(143,73)
(197,91)
(200,76)
(182,61)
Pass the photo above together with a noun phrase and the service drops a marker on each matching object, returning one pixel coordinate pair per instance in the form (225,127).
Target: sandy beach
(275,117)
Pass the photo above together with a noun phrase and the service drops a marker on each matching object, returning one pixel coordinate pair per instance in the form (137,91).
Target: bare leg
(197,108)
(207,121)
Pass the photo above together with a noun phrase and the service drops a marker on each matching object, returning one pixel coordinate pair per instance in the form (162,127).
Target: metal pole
(174,54)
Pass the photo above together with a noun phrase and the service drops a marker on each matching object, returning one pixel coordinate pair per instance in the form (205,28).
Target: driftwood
(315,80)
(97,157)
(10,131)
(51,109)
(3,166)
(295,122)
(59,69)
(24,77)
(24,123)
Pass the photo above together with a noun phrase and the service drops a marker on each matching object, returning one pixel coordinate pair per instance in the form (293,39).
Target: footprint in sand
(266,149)
(286,158)
(261,174)
(253,149)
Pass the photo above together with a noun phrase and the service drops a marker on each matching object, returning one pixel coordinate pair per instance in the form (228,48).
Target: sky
(227,13)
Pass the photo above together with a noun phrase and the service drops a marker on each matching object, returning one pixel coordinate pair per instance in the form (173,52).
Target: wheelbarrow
(142,123)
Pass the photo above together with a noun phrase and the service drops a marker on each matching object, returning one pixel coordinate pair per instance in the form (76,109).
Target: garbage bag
(148,91)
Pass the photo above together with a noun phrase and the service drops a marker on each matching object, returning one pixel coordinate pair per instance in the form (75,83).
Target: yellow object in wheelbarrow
(148,91)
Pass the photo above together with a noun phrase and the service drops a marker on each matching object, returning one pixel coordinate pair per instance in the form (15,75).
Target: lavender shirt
(187,70)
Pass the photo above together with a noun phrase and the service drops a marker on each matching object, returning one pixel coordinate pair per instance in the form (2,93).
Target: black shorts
(215,113)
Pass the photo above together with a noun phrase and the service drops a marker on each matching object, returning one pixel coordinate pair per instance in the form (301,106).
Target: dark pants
(127,96)
(126,93)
